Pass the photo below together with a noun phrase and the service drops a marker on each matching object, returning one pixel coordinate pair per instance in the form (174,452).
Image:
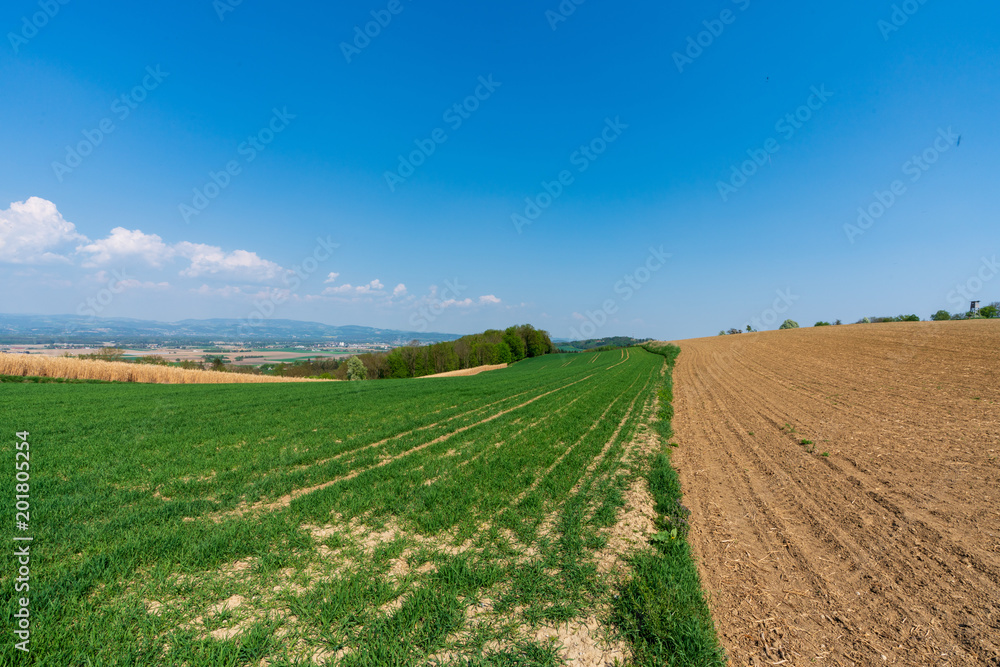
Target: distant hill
(46,329)
(613,341)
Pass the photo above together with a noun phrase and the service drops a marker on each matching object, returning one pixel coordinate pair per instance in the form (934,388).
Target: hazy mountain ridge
(44,329)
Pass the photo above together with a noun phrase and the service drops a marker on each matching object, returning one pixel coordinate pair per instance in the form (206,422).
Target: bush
(356,369)
(789,324)
(896,318)
(941,316)
(822,324)
(865,320)
(106,354)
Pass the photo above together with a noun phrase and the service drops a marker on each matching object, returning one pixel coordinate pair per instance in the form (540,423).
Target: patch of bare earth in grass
(341,546)
(465,372)
(584,641)
(635,521)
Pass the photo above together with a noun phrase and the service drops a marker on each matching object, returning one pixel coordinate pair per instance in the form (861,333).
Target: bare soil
(465,372)
(887,549)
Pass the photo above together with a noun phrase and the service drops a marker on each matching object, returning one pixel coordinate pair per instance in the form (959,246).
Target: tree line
(489,348)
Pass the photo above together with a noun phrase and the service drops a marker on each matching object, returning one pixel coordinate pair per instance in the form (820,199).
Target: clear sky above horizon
(643,169)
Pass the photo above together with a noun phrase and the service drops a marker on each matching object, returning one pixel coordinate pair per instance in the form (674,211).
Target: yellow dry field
(37,365)
(466,372)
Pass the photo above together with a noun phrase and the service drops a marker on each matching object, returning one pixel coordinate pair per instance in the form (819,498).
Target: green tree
(941,316)
(396,365)
(789,324)
(356,369)
(502,354)
(821,324)
(991,311)
(106,354)
(518,348)
(538,343)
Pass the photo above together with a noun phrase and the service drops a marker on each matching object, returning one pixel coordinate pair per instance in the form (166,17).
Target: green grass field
(461,521)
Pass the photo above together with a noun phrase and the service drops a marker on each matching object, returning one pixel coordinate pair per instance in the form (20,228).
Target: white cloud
(30,230)
(212,260)
(124,243)
(399,290)
(374,287)
(433,299)
(452,303)
(578,316)
(332,278)
(205,260)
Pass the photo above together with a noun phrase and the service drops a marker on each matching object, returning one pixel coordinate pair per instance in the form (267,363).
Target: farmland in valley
(474,520)
(845,489)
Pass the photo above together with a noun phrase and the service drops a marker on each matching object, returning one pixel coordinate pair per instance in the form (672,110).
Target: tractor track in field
(418,429)
(886,551)
(625,358)
(549,522)
(593,465)
(286,500)
(545,473)
(538,422)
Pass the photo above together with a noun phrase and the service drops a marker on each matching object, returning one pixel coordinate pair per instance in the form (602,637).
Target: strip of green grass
(133,485)
(661,610)
(46,380)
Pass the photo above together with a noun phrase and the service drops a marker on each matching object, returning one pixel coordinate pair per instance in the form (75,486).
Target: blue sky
(643,110)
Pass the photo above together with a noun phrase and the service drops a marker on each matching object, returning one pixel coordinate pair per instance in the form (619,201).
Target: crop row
(496,488)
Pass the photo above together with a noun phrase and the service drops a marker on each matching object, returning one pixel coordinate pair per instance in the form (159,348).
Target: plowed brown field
(886,551)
